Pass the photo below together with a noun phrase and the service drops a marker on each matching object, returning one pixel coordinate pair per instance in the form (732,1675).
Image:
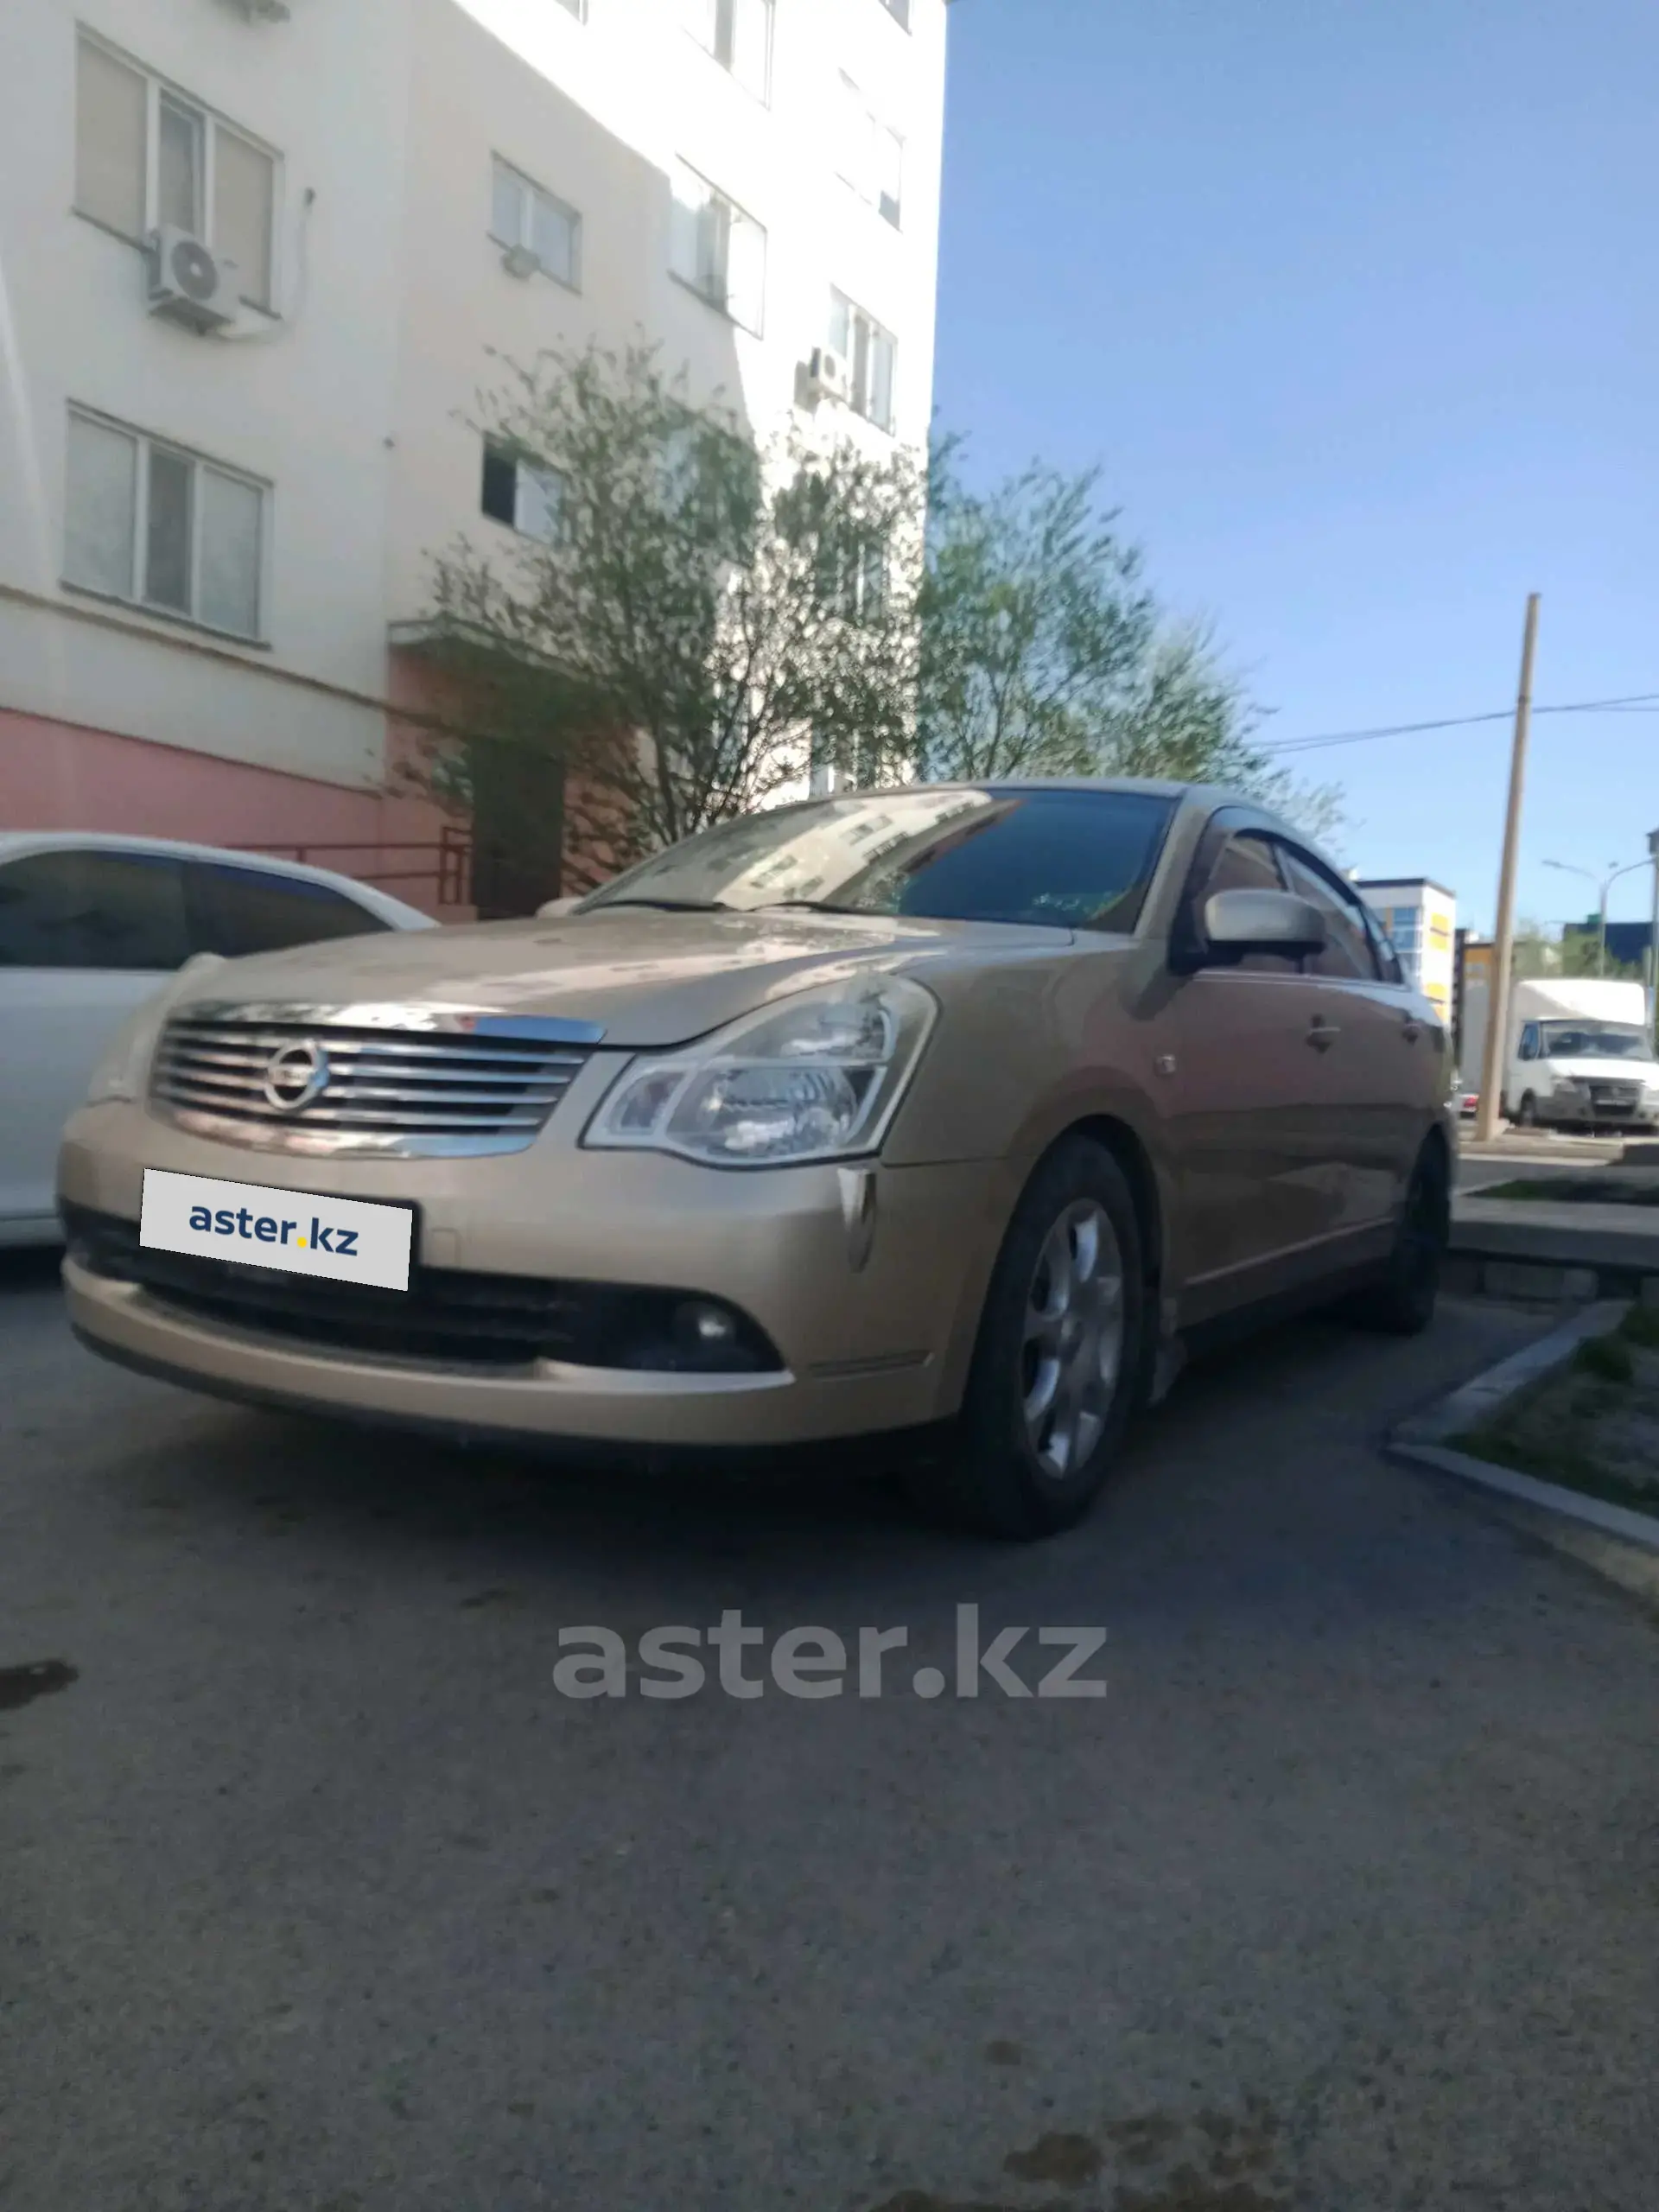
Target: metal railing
(445,860)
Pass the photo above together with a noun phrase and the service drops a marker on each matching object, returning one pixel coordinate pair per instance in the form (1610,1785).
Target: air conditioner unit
(827,376)
(521,261)
(188,282)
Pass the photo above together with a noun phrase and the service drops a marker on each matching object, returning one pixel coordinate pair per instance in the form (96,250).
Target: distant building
(1629,943)
(1421,919)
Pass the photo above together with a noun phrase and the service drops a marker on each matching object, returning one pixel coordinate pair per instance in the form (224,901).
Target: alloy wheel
(1072,1351)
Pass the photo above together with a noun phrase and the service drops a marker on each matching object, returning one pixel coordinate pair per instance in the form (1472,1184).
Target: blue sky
(1357,302)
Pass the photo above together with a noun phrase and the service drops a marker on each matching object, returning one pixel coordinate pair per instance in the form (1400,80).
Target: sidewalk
(1616,1247)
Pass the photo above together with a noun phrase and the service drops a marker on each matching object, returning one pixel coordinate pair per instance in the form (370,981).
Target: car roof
(16,842)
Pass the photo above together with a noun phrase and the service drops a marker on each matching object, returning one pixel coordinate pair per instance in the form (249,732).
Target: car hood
(1606,1069)
(646,977)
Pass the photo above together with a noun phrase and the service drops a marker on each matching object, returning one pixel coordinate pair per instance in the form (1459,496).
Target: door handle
(1323,1034)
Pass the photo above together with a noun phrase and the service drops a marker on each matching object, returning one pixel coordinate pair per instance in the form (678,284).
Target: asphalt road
(317,1896)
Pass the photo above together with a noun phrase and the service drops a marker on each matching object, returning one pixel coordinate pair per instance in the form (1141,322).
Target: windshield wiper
(671,905)
(815,907)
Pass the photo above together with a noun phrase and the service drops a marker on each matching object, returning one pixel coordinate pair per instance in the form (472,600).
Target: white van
(90,926)
(1581,1054)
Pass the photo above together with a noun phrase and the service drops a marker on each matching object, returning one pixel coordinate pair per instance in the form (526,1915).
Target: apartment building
(258,260)
(1421,918)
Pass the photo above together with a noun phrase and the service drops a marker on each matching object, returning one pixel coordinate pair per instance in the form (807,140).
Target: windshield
(1068,859)
(1571,1041)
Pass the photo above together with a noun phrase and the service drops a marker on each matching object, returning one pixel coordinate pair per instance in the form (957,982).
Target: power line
(1636,702)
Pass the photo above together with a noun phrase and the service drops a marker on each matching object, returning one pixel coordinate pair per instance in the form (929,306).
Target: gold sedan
(957,1110)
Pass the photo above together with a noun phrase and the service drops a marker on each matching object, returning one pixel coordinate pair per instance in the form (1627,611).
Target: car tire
(1059,1358)
(1402,1303)
(1526,1113)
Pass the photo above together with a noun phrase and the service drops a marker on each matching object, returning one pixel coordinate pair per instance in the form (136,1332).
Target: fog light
(709,1326)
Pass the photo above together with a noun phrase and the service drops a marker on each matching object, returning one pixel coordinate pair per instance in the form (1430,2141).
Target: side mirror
(1238,922)
(555,907)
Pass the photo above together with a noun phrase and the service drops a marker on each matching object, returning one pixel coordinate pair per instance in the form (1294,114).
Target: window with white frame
(738,33)
(854,577)
(528,498)
(523,215)
(717,250)
(151,523)
(147,154)
(870,156)
(870,354)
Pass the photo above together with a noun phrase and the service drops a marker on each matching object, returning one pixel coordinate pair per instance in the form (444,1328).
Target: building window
(162,528)
(527,499)
(870,156)
(869,352)
(738,33)
(899,10)
(852,575)
(147,154)
(717,250)
(522,215)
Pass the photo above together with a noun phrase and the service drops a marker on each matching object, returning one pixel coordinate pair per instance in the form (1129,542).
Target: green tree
(702,616)
(1538,954)
(1043,651)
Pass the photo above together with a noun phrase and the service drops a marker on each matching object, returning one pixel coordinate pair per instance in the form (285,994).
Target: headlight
(124,1071)
(816,1077)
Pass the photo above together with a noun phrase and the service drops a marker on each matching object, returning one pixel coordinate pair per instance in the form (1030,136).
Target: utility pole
(1497,1005)
(1653,941)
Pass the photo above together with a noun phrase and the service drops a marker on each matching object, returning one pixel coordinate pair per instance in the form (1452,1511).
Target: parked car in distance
(91,926)
(952,1109)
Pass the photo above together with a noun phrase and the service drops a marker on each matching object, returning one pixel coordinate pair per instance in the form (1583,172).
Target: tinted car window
(1070,859)
(1248,862)
(236,910)
(1348,944)
(92,910)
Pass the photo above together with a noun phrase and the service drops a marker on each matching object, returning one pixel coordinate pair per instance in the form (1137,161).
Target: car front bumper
(868,1280)
(1575,1110)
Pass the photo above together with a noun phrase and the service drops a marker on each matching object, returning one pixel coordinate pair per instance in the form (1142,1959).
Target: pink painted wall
(59,775)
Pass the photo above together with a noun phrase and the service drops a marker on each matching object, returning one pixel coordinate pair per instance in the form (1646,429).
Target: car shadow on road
(1248,1439)
(30,1268)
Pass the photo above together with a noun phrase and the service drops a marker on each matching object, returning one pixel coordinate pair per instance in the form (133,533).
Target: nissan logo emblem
(295,1074)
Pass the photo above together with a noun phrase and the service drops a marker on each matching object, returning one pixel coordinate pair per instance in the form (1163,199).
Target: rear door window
(238,910)
(93,910)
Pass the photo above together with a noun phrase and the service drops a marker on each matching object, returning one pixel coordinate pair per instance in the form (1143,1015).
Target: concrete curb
(1419,1441)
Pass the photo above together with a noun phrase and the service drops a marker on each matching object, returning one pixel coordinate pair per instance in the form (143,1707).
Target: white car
(91,926)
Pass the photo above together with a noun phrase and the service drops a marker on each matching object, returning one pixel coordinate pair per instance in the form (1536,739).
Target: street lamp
(1603,884)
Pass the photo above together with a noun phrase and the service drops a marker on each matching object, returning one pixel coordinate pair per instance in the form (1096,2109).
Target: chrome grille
(366,1079)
